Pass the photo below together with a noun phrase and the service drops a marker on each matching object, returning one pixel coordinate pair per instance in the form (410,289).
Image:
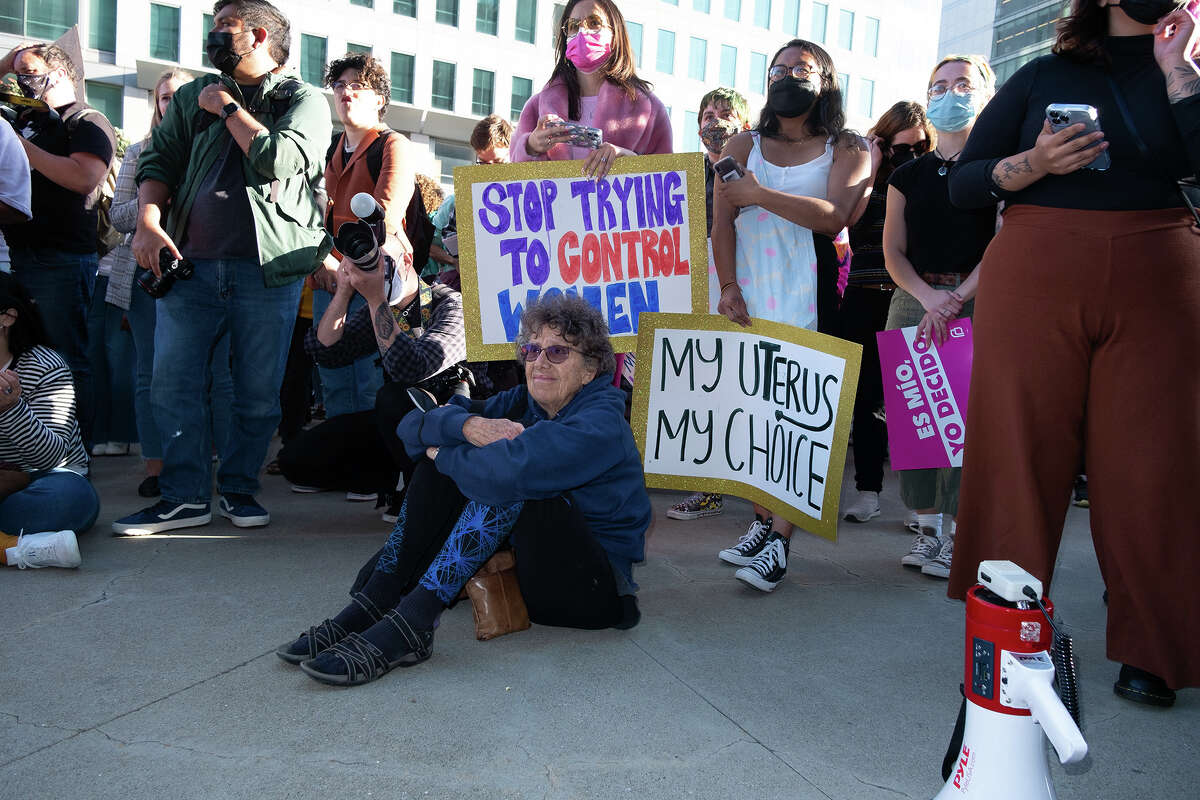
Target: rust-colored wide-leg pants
(1087,343)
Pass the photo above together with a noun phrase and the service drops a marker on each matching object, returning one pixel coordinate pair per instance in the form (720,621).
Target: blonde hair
(980,64)
(173,74)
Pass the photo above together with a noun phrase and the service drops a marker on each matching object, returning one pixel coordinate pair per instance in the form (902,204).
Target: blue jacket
(587,449)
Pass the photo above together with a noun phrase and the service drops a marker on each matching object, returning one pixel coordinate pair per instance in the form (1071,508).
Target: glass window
(108,99)
(452,155)
(312,59)
(634,29)
(403,66)
(206,25)
(38,19)
(728,65)
(664,60)
(487,16)
(526,20)
(364,3)
(447,12)
(820,21)
(103,33)
(844,82)
(443,85)
(846,29)
(864,98)
(733,10)
(483,91)
(871,37)
(702,5)
(671,2)
(405,8)
(522,90)
(351,47)
(758,73)
(791,17)
(762,13)
(697,59)
(164,32)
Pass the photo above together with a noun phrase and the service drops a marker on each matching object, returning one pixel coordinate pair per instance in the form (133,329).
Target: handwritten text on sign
(925,395)
(623,243)
(751,407)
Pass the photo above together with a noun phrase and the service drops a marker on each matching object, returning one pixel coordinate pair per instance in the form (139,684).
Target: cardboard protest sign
(925,395)
(760,412)
(630,243)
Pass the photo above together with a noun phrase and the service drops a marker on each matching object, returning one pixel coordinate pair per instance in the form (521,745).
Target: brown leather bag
(496,598)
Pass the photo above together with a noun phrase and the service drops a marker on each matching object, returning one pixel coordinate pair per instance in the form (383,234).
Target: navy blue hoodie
(587,449)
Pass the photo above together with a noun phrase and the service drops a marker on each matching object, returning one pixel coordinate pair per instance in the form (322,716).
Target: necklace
(792,140)
(944,169)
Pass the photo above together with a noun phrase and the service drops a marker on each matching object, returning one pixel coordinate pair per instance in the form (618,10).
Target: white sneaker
(358,497)
(767,568)
(51,549)
(912,524)
(864,507)
(924,548)
(939,565)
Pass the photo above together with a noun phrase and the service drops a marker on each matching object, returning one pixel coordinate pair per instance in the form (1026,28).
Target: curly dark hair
(828,116)
(1081,33)
(55,58)
(370,71)
(28,331)
(576,321)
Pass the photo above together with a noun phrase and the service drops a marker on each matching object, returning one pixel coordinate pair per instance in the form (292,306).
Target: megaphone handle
(1060,729)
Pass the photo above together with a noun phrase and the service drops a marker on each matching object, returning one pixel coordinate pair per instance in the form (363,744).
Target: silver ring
(604,159)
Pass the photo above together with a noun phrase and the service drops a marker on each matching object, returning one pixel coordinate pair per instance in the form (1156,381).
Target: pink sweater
(640,125)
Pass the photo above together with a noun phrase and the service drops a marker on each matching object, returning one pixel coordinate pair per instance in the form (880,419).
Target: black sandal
(327,634)
(356,661)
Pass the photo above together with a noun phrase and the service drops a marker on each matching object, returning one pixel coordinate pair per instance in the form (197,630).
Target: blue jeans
(56,500)
(224,296)
(142,316)
(62,284)
(110,350)
(349,389)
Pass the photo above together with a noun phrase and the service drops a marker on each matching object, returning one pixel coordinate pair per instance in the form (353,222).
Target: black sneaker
(748,546)
(1080,495)
(768,567)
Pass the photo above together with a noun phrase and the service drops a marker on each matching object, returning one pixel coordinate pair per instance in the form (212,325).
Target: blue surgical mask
(952,112)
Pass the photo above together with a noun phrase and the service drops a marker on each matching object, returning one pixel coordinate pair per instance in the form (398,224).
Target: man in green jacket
(227,183)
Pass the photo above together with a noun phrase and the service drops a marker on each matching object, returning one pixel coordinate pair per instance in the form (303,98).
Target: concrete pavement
(149,673)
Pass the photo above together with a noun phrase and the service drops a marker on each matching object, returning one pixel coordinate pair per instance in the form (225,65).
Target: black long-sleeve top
(1011,122)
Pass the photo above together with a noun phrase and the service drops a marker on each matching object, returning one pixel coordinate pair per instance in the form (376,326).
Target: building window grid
(820,22)
(664,57)
(442,92)
(312,58)
(487,17)
(791,17)
(762,13)
(405,8)
(483,92)
(634,29)
(526,25)
(728,76)
(864,95)
(846,29)
(733,10)
(164,32)
(206,25)
(446,12)
(102,33)
(522,90)
(704,6)
(758,73)
(352,47)
(108,99)
(871,37)
(403,69)
(363,3)
(697,59)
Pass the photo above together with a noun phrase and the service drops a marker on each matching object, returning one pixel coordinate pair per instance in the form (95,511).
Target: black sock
(383,589)
(421,608)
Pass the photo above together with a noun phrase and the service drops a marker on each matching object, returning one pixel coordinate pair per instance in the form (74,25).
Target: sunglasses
(557,353)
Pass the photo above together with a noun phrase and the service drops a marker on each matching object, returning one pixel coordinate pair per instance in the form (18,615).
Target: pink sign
(925,395)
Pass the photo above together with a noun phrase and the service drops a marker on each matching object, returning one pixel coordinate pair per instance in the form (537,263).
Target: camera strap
(424,299)
(1189,189)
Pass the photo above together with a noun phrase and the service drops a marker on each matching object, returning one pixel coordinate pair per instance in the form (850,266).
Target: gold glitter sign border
(849,352)
(691,164)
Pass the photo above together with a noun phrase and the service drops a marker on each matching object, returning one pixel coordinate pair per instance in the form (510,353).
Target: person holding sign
(932,251)
(1088,327)
(550,466)
(803,173)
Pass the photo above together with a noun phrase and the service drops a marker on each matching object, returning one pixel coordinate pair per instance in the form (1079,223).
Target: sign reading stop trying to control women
(761,412)
(630,243)
(925,395)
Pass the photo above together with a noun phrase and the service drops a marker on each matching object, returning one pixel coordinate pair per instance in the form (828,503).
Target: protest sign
(925,395)
(630,243)
(760,412)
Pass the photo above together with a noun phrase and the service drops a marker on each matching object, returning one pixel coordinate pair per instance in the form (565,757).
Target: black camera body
(359,241)
(172,269)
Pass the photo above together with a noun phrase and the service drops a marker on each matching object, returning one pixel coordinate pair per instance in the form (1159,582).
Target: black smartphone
(728,169)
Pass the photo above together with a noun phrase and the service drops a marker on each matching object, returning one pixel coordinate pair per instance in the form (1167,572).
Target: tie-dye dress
(776,260)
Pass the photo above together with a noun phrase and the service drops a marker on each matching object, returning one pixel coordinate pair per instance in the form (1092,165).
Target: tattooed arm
(1176,47)
(384,325)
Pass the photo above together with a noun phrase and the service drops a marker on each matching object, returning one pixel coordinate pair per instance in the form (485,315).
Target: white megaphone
(1010,698)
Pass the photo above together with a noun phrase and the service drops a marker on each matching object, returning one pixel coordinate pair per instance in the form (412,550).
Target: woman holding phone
(1087,328)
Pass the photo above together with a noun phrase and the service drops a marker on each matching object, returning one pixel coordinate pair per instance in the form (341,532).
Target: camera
(172,269)
(359,241)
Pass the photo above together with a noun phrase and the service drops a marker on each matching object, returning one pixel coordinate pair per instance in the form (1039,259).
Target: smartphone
(1064,115)
(450,244)
(1190,191)
(583,135)
(728,169)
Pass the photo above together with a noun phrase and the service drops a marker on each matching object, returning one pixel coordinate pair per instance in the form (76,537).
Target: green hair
(730,98)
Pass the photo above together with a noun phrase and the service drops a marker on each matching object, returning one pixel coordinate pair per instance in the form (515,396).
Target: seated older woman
(550,466)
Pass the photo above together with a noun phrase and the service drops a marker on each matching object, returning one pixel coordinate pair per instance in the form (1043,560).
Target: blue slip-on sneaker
(163,516)
(243,511)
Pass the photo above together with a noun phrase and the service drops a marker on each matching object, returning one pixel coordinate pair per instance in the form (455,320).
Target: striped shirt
(40,431)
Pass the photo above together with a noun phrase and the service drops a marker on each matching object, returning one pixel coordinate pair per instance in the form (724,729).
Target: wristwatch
(228,110)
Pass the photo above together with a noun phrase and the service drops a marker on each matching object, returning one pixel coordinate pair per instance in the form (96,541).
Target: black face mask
(790,97)
(32,86)
(901,155)
(1147,12)
(219,48)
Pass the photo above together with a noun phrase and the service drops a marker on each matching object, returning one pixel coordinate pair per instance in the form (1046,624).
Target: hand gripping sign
(760,412)
(629,243)
(925,395)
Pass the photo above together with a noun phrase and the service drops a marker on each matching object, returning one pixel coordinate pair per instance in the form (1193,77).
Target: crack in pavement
(97,727)
(885,788)
(17,719)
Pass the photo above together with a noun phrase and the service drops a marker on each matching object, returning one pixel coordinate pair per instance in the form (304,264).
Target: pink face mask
(587,50)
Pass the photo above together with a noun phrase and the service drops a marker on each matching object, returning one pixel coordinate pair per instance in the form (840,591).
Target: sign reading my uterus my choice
(630,243)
